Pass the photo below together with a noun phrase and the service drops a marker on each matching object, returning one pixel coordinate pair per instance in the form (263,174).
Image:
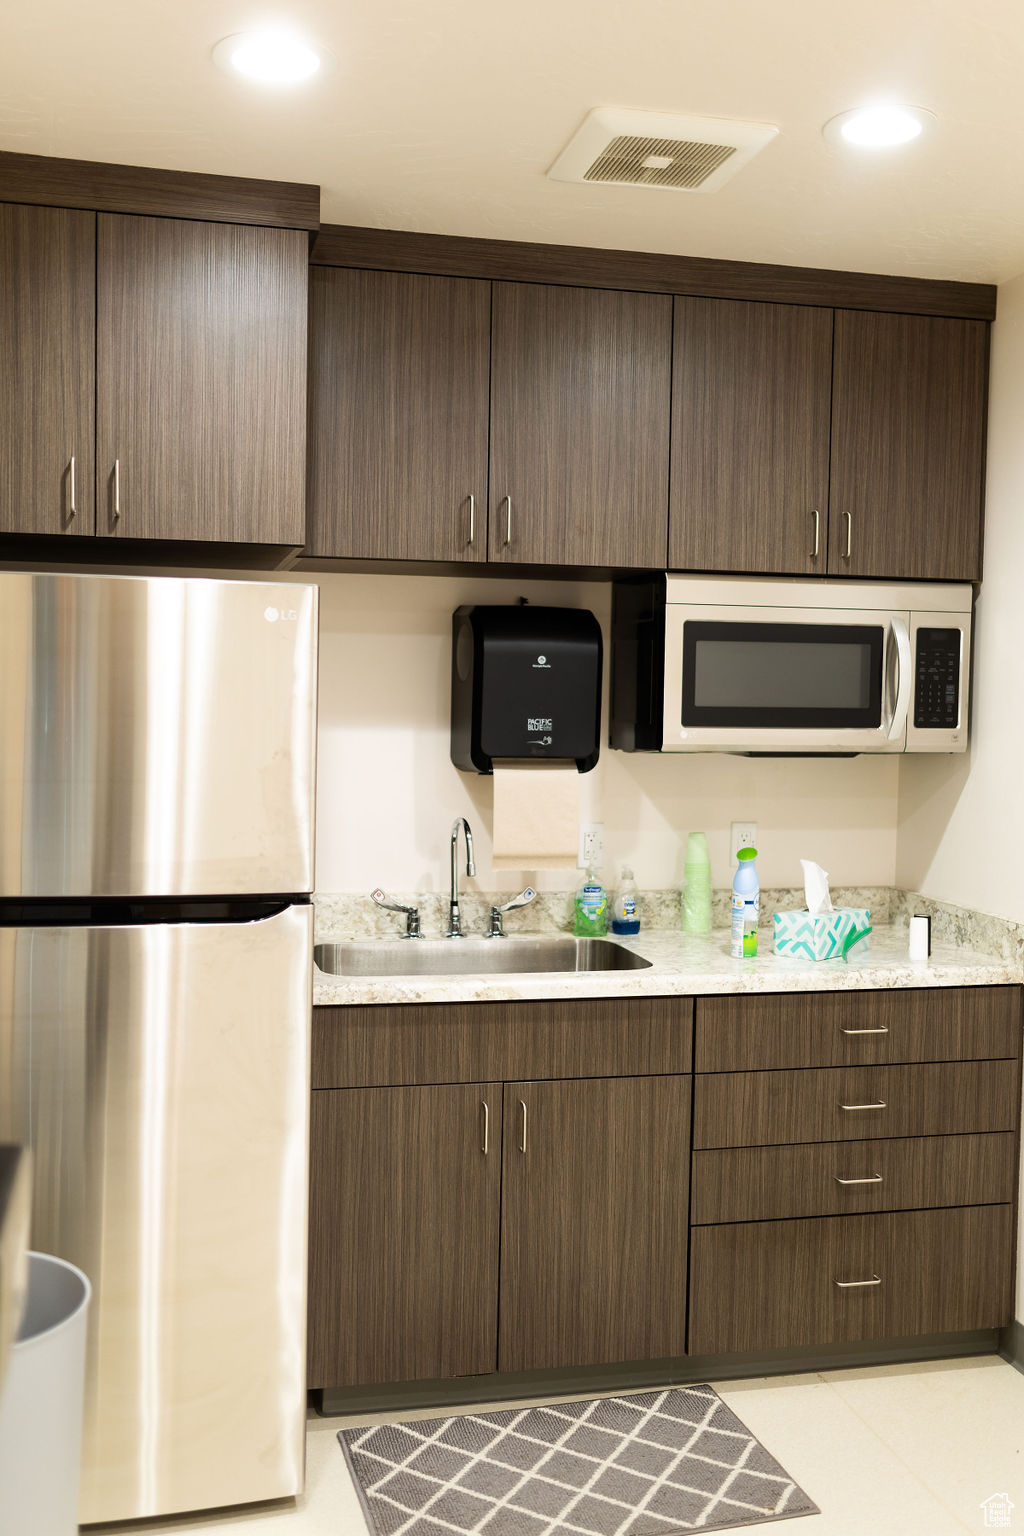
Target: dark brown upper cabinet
(908,423)
(595,1182)
(201,380)
(403,1233)
(398,377)
(48,347)
(580,389)
(751,393)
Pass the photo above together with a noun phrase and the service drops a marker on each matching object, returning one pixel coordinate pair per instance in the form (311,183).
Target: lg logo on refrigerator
(289,615)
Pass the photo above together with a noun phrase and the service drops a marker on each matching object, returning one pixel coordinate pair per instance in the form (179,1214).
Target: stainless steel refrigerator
(157,751)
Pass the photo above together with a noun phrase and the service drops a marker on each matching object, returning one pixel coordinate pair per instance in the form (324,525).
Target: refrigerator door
(156,736)
(161,1075)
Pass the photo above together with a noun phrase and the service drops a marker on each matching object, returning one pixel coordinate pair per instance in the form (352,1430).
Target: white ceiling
(444,115)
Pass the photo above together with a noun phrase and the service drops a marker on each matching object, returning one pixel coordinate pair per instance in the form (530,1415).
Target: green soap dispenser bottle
(591,908)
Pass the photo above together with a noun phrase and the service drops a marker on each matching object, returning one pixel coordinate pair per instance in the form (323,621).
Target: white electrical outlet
(744,835)
(591,844)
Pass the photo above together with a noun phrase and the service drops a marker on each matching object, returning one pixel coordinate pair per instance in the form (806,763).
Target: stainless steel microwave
(757,665)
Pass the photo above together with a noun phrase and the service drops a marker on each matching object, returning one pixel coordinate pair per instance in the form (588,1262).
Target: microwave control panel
(937,673)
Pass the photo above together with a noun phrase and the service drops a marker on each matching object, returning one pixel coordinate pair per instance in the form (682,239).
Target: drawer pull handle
(522,1139)
(874,1178)
(884,1030)
(878,1104)
(853,1285)
(486,1146)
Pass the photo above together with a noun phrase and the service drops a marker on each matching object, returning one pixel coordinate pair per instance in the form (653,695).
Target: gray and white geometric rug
(650,1465)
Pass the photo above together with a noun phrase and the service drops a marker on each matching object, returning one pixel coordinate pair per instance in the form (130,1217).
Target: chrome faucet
(412,916)
(454,913)
(497,925)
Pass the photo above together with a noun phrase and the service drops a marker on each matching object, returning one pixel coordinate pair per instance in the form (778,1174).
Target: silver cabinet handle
(506,502)
(817,534)
(522,1139)
(486,1147)
(472,517)
(882,1030)
(117,490)
(878,1104)
(874,1178)
(72,509)
(853,1285)
(849,535)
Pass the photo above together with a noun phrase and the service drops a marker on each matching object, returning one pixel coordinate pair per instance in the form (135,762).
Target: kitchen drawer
(837,1029)
(366,1047)
(751,1109)
(773,1284)
(837,1178)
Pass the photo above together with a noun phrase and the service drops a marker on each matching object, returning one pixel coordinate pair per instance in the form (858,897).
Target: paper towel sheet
(536,815)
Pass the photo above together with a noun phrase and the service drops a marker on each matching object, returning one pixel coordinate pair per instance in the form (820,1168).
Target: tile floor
(901,1450)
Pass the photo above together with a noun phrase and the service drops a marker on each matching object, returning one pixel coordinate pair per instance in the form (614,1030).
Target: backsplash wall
(388,792)
(957,831)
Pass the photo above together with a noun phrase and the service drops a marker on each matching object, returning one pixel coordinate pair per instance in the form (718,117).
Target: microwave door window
(782,675)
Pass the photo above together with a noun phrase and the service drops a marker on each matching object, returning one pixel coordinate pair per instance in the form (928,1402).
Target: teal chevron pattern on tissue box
(819,936)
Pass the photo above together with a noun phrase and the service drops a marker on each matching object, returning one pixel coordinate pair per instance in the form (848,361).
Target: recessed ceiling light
(882,125)
(272,56)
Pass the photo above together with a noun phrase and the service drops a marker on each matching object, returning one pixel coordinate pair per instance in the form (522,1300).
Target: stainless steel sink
(472,957)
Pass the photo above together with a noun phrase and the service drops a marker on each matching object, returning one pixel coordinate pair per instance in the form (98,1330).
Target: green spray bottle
(746,906)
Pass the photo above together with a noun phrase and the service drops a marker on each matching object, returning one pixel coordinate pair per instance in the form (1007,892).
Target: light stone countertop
(686,965)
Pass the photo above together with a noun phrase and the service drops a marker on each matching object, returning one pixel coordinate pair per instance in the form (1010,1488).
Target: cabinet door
(580,390)
(751,396)
(201,380)
(405,1188)
(908,424)
(398,382)
(594,1221)
(48,347)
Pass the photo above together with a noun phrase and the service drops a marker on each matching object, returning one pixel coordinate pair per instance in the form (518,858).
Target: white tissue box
(817,935)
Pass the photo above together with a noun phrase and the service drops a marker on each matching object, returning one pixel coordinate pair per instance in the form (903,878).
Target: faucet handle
(412,916)
(497,927)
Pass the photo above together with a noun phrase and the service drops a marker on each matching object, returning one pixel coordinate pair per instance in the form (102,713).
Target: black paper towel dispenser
(526,683)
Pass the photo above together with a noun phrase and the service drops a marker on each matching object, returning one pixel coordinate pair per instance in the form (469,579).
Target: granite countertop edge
(685,965)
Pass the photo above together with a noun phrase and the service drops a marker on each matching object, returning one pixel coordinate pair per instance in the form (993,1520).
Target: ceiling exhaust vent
(659,149)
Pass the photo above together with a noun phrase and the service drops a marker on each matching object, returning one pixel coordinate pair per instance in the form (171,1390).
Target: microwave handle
(904,666)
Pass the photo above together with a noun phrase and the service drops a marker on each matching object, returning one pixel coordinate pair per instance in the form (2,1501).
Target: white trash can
(41,1404)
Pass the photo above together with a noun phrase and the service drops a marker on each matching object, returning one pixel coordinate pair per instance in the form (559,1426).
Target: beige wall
(388,791)
(957,816)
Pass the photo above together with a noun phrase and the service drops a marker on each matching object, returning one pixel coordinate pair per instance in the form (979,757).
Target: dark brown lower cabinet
(782,1284)
(540,1219)
(404,1216)
(594,1221)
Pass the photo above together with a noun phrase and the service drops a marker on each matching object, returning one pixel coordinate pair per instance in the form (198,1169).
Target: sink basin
(472,957)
